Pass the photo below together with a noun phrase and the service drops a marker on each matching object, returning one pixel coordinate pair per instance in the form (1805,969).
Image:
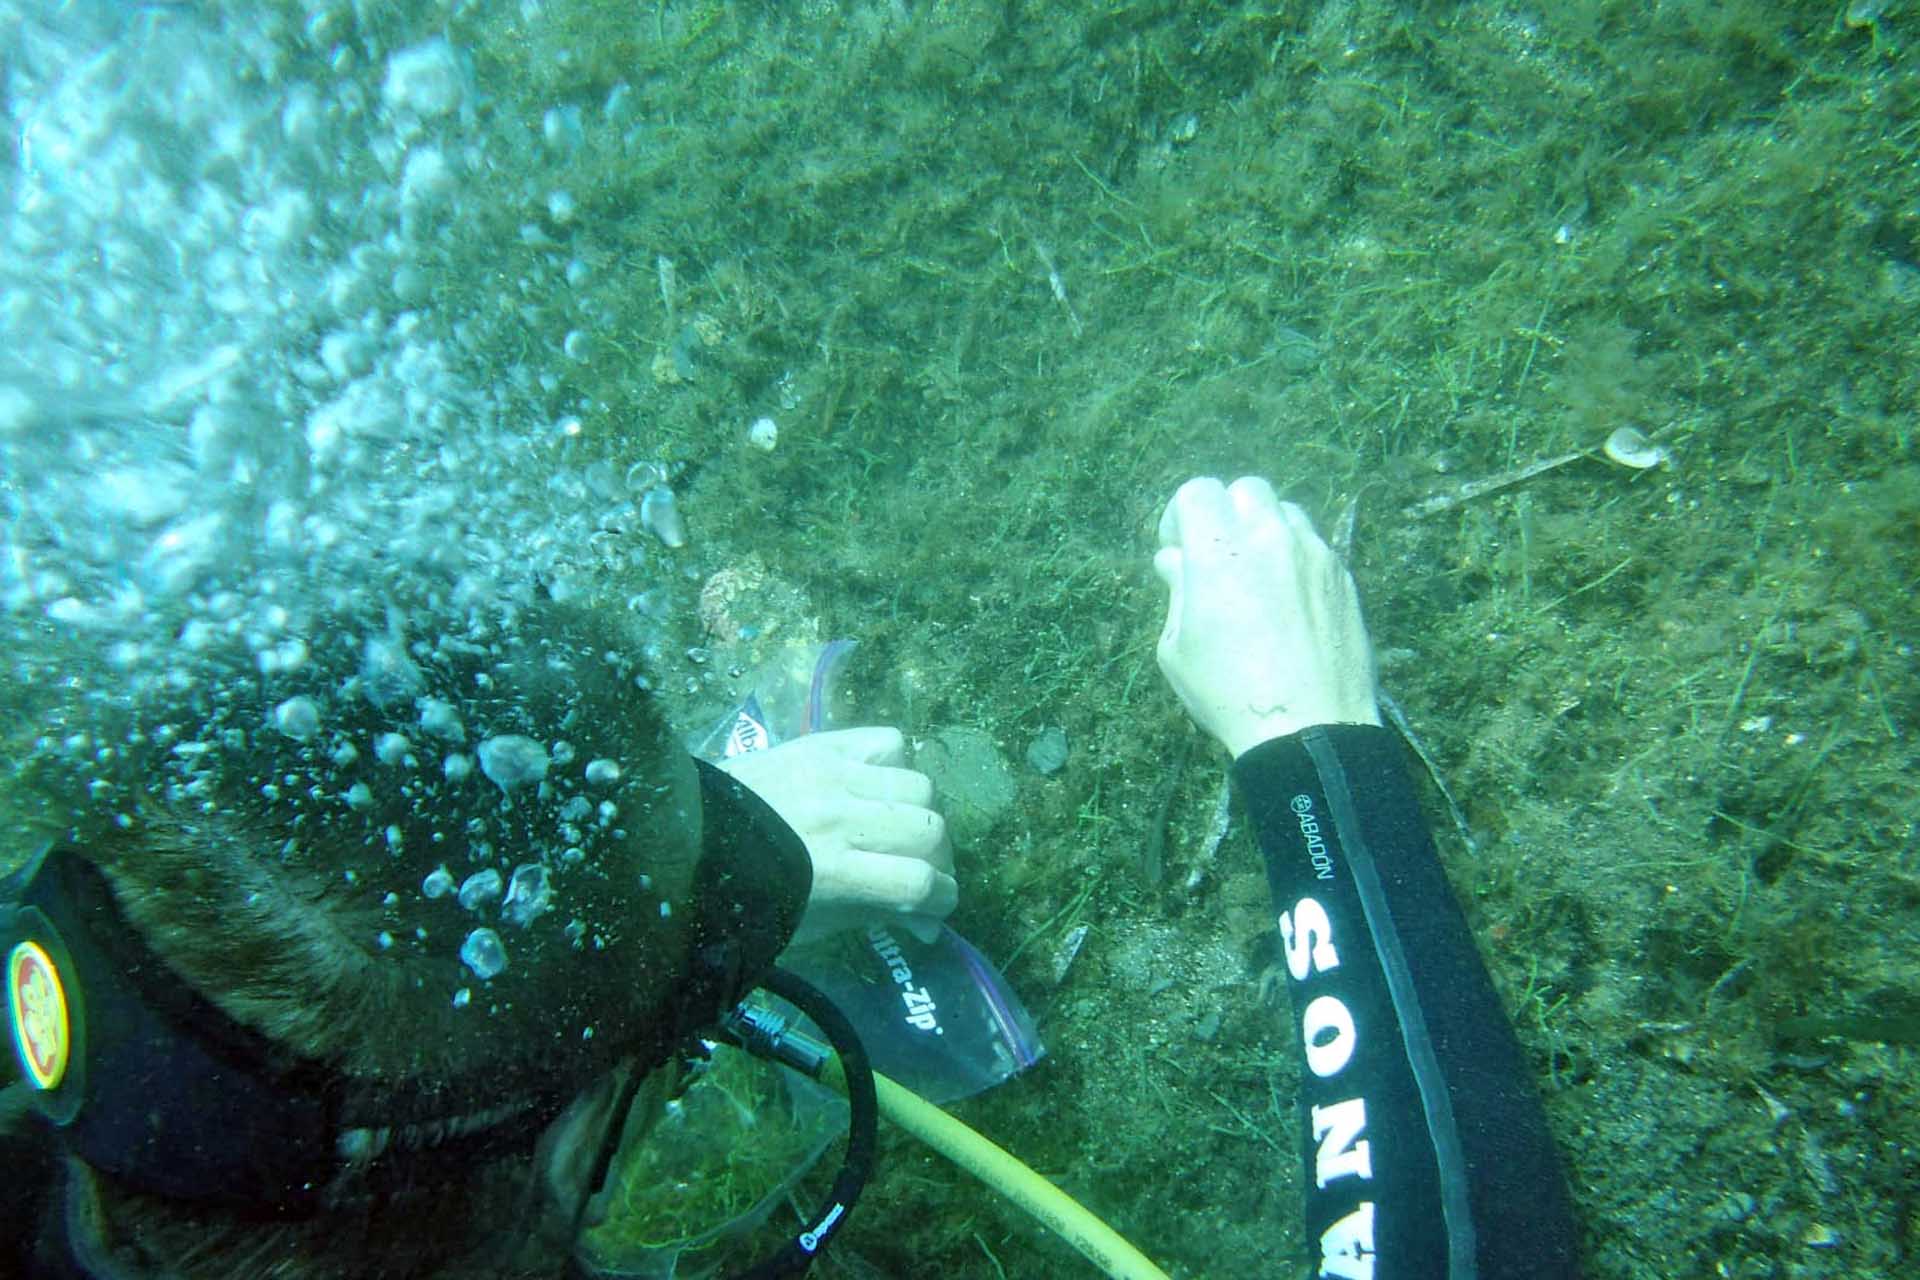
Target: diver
(1425,1148)
(328,1036)
(357,970)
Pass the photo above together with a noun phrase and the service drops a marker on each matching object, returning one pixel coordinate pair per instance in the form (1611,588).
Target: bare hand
(1263,635)
(879,850)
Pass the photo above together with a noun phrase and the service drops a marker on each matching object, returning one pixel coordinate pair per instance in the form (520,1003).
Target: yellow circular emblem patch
(37,1010)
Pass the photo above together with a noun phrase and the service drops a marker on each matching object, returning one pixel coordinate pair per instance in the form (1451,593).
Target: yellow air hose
(993,1165)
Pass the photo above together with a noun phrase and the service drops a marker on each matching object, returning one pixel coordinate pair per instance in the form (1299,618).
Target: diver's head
(452,851)
(430,885)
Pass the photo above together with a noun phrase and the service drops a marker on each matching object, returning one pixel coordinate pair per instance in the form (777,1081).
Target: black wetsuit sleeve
(27,1158)
(1426,1150)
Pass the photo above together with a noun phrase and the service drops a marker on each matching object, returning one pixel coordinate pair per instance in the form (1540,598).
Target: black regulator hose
(862,1130)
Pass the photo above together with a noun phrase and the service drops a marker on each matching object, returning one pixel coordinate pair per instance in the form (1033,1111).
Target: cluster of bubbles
(236,426)
(230,412)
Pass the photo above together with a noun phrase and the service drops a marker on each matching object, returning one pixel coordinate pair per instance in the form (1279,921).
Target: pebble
(1048,752)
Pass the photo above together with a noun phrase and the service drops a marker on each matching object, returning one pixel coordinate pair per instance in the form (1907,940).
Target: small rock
(1048,752)
(975,785)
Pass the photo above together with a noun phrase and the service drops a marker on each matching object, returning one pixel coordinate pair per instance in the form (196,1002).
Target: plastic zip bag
(935,1014)
(796,693)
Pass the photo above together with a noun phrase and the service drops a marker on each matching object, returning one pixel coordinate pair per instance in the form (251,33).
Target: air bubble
(484,953)
(298,718)
(479,889)
(513,760)
(425,79)
(529,894)
(442,720)
(561,127)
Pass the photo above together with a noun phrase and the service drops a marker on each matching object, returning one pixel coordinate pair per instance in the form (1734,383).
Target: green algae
(1006,274)
(1371,251)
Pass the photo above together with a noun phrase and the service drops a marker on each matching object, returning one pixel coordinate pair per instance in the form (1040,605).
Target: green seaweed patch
(1884,1028)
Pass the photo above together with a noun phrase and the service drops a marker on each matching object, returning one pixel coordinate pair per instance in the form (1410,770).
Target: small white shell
(764,434)
(661,514)
(1066,952)
(1629,448)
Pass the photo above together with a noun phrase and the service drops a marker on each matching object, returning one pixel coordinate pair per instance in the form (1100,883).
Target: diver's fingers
(888,783)
(1170,564)
(1197,515)
(925,929)
(906,830)
(1253,500)
(869,744)
(859,878)
(1167,562)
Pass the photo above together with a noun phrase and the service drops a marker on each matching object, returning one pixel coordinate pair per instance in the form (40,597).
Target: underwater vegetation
(1004,274)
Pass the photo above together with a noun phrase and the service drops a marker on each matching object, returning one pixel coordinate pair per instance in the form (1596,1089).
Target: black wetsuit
(1426,1150)
(753,867)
